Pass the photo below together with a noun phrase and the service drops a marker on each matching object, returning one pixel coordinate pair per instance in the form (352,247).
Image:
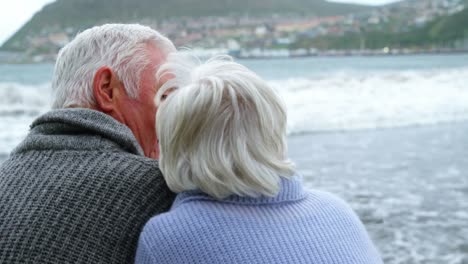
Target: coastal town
(273,36)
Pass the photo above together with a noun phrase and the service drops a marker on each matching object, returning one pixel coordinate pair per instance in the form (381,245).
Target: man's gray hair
(221,130)
(121,47)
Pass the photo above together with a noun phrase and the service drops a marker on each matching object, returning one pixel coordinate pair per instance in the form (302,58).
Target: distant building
(59,39)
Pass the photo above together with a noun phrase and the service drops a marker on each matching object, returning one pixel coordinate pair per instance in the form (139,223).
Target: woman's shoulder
(330,212)
(163,236)
(186,217)
(164,233)
(179,228)
(198,214)
(319,201)
(320,197)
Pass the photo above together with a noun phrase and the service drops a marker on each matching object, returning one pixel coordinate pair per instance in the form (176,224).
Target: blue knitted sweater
(293,227)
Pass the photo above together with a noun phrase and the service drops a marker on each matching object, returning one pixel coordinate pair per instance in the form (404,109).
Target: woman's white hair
(221,130)
(121,47)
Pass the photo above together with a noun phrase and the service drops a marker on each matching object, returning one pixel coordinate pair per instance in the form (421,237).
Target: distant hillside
(447,28)
(442,32)
(80,14)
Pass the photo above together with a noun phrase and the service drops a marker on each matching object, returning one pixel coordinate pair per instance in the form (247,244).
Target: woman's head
(222,130)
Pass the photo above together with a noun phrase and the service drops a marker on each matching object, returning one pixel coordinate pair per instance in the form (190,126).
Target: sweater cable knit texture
(77,190)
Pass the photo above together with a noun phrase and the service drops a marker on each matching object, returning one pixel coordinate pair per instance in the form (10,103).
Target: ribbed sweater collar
(79,129)
(290,190)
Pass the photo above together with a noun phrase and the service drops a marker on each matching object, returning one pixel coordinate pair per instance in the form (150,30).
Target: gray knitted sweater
(77,190)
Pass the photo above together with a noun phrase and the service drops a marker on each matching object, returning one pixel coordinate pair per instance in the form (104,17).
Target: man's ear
(104,89)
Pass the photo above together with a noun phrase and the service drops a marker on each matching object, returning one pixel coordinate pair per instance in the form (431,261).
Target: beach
(408,185)
(386,134)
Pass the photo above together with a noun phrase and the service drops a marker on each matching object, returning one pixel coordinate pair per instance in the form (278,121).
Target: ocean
(388,134)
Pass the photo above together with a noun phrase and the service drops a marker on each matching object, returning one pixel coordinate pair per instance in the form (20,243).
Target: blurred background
(377,95)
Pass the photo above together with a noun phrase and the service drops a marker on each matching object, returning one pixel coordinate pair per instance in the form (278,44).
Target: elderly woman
(222,133)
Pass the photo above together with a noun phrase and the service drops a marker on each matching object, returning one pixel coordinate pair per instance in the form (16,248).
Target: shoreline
(266,54)
(355,53)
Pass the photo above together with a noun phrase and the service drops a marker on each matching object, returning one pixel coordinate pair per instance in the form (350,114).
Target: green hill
(80,14)
(442,32)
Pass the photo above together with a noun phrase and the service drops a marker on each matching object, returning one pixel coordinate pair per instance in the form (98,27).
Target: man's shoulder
(104,165)
(49,155)
(77,199)
(141,160)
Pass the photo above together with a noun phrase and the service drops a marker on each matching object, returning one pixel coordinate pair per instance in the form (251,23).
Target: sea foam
(339,101)
(344,101)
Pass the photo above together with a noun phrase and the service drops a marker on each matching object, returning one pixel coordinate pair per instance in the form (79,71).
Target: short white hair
(121,47)
(222,130)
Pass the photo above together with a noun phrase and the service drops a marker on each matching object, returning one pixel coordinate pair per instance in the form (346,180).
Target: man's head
(112,69)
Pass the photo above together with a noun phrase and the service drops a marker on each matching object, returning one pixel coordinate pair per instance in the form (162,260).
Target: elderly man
(83,183)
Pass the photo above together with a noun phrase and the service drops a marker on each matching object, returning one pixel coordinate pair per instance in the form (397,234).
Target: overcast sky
(14,13)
